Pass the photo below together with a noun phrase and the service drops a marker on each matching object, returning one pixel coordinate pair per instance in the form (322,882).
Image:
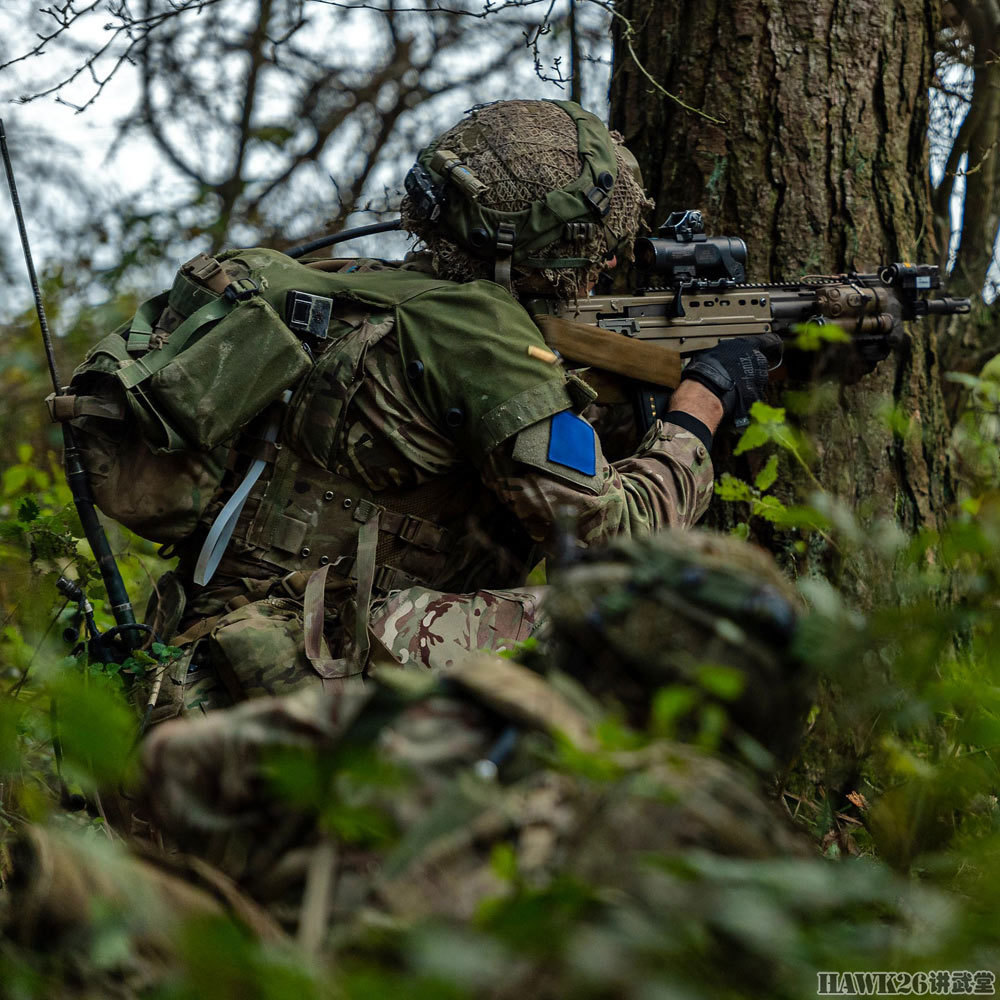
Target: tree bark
(820,163)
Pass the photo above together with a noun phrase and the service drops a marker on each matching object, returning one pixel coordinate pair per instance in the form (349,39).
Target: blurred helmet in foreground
(522,188)
(708,615)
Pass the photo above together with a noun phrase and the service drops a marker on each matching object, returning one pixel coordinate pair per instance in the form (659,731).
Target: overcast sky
(135,169)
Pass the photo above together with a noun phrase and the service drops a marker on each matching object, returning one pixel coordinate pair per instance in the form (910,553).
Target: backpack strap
(133,373)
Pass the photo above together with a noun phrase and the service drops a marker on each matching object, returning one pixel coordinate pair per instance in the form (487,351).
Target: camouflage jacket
(262,789)
(430,404)
(432,442)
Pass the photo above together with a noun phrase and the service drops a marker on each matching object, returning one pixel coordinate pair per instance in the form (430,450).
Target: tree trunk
(820,163)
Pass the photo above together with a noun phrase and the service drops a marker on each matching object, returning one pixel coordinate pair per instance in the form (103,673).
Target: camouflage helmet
(672,610)
(518,188)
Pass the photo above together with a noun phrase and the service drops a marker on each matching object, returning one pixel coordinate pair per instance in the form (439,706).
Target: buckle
(385,577)
(343,566)
(578,232)
(409,530)
(365,511)
(240,290)
(505,240)
(599,200)
(293,584)
(423,534)
(201,267)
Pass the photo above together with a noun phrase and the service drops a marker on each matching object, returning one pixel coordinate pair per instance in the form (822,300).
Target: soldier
(385,806)
(474,747)
(423,442)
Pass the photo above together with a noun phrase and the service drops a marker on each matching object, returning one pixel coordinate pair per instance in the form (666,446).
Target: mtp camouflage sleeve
(666,483)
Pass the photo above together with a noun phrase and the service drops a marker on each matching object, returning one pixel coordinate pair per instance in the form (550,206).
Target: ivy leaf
(766,477)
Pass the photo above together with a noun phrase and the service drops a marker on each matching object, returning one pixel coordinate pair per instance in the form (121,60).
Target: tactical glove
(736,370)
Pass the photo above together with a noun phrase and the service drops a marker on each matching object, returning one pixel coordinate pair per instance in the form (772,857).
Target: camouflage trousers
(259,649)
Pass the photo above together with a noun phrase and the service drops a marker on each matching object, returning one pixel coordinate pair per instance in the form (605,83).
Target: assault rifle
(698,295)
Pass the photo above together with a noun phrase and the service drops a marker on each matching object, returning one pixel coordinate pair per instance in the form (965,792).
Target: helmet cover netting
(521,150)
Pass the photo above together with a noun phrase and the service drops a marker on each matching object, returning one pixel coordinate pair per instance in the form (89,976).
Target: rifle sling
(611,352)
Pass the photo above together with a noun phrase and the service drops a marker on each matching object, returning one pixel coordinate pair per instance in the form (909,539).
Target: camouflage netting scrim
(521,150)
(681,609)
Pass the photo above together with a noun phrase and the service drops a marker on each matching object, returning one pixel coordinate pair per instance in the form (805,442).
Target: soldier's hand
(735,370)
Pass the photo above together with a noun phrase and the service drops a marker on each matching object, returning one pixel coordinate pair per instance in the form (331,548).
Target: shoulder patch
(565,447)
(573,443)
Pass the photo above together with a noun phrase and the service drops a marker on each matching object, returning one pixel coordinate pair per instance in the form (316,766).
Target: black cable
(342,237)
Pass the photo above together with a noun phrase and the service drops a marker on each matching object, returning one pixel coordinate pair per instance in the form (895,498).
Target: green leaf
(14,479)
(11,531)
(731,488)
(712,725)
(724,682)
(28,511)
(766,477)
(772,510)
(670,705)
(812,336)
(753,437)
(765,414)
(96,729)
(503,861)
(897,420)
(962,378)
(164,653)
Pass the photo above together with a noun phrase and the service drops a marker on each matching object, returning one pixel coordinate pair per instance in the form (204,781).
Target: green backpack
(159,401)
(155,400)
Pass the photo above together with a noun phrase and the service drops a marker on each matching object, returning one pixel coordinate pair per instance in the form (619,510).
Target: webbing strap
(140,333)
(314,607)
(314,614)
(506,236)
(68,407)
(416,531)
(196,631)
(135,372)
(147,314)
(367,547)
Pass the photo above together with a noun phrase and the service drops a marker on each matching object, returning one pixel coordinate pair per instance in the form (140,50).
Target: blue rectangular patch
(573,443)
